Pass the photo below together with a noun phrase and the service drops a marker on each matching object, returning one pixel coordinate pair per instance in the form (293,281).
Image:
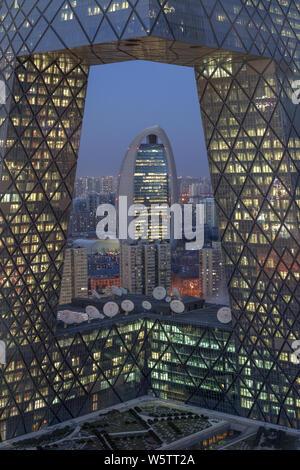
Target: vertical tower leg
(41,123)
(252,135)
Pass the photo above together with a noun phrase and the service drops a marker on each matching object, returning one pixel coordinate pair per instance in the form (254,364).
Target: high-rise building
(83,217)
(163,268)
(148,176)
(143,266)
(193,189)
(107,184)
(80,216)
(212,272)
(132,267)
(66,287)
(93,201)
(104,185)
(75,275)
(185,189)
(210,217)
(246,57)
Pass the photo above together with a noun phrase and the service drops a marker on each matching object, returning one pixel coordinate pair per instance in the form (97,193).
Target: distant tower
(144,266)
(148,173)
(148,176)
(210,211)
(75,275)
(212,272)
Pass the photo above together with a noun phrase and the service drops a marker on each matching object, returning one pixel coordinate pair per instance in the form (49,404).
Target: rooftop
(148,423)
(197,313)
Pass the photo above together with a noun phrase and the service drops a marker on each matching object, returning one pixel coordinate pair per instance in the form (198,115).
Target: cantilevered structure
(246,56)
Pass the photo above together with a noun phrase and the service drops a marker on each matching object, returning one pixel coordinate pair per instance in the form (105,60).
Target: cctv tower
(246,57)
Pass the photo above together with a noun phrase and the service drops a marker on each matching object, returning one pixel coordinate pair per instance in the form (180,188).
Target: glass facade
(193,363)
(246,55)
(254,164)
(164,357)
(151,176)
(151,182)
(148,176)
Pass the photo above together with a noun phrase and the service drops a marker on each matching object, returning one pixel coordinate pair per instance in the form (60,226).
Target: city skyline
(116,175)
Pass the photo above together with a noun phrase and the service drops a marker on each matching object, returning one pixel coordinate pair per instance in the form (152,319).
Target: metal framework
(246,56)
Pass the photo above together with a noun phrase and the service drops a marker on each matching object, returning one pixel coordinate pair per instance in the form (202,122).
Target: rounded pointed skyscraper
(148,172)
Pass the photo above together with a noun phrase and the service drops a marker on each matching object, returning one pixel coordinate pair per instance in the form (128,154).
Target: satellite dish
(111,309)
(146,305)
(65,316)
(159,293)
(127,305)
(176,293)
(93,312)
(168,299)
(95,294)
(69,317)
(177,306)
(116,290)
(124,291)
(80,317)
(224,315)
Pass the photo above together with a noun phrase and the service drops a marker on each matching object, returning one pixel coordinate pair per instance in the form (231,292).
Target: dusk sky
(124,98)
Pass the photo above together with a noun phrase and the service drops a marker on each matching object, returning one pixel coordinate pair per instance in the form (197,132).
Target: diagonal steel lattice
(246,56)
